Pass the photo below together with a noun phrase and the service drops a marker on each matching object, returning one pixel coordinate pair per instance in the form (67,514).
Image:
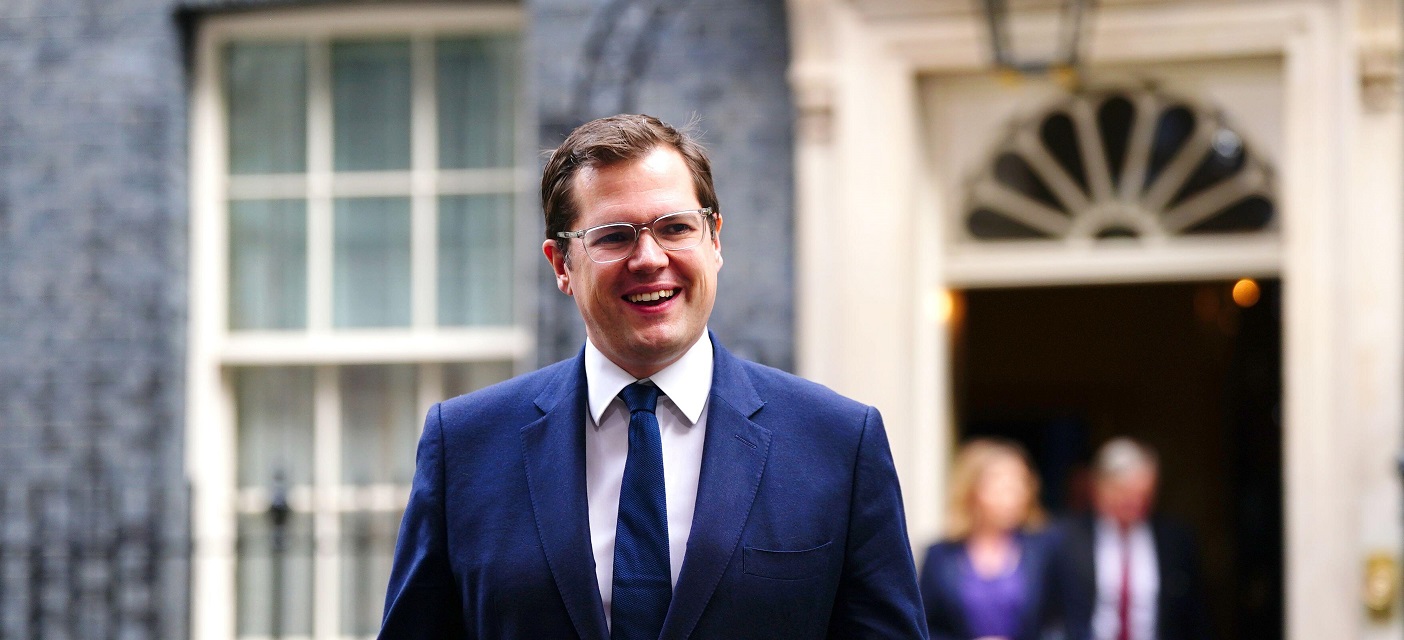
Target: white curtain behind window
(267,264)
(371,262)
(371,91)
(266,93)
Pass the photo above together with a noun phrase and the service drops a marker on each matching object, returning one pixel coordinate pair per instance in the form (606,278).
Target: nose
(648,255)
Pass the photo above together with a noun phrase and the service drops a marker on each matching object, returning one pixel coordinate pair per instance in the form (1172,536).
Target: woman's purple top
(992,605)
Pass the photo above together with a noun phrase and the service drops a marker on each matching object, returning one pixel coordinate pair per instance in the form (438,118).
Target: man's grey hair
(1123,455)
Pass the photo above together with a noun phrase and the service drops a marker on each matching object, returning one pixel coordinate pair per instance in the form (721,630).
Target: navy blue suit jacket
(798,530)
(941,584)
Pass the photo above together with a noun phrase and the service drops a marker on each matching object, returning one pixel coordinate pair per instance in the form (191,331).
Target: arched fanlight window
(1120,164)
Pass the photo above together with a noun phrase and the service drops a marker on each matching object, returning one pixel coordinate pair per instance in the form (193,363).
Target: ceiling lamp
(1036,36)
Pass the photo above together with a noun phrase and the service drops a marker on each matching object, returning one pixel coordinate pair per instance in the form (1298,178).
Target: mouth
(651,298)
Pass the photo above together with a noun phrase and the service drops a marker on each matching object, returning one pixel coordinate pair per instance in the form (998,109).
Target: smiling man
(654,486)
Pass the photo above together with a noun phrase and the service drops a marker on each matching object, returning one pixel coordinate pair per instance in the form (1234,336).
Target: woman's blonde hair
(970,463)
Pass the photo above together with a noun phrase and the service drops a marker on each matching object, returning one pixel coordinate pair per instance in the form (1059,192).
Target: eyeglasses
(677,231)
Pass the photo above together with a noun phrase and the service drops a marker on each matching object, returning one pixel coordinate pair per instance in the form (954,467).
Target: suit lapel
(1083,564)
(734,454)
(553,449)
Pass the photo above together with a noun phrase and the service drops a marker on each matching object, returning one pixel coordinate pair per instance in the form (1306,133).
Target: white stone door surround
(869,293)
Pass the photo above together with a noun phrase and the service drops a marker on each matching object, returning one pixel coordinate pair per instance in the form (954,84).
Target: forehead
(636,190)
(1001,470)
(1135,478)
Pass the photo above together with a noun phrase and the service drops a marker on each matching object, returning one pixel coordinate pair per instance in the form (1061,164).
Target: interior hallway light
(950,306)
(1246,292)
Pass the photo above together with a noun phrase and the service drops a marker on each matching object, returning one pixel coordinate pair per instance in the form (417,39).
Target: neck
(647,367)
(990,536)
(1123,525)
(991,551)
(641,369)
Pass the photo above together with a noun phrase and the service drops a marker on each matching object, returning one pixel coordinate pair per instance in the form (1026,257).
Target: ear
(558,264)
(716,238)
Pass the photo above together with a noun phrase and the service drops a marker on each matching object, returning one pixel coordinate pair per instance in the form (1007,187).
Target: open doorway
(1190,368)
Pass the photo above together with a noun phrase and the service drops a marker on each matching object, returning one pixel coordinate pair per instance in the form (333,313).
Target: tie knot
(640,397)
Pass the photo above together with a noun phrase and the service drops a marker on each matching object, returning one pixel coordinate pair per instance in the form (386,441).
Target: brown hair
(974,458)
(608,141)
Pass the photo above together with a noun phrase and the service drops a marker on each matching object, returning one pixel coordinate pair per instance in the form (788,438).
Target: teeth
(650,297)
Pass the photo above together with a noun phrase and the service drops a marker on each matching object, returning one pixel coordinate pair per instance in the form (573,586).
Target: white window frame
(211,443)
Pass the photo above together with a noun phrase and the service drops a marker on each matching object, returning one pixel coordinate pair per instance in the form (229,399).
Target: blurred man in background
(1124,572)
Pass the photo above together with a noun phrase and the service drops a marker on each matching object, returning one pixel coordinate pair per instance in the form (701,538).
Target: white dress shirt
(1145,580)
(682,421)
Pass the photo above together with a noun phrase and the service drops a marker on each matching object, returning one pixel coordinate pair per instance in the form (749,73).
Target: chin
(659,336)
(659,348)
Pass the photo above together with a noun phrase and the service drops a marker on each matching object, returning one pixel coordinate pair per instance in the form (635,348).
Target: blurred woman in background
(985,580)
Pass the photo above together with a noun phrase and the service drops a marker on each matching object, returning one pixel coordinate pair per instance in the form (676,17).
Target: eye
(611,236)
(677,228)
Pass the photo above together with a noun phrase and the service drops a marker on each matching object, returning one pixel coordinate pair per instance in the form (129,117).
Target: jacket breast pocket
(786,565)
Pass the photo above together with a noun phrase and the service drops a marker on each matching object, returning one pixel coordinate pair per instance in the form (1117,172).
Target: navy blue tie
(643,579)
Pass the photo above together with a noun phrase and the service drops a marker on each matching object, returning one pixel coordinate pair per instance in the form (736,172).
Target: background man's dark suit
(798,530)
(1180,608)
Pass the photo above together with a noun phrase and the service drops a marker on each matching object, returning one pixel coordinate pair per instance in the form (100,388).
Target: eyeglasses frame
(706,212)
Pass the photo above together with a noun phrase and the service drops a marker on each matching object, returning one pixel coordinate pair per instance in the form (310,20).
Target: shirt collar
(687,382)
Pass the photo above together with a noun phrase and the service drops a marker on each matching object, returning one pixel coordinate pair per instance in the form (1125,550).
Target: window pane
(266,89)
(368,544)
(477,101)
(371,105)
(274,576)
(467,377)
(274,407)
(380,424)
(267,264)
(371,281)
(475,260)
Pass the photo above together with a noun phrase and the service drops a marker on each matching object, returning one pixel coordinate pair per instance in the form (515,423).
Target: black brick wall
(93,514)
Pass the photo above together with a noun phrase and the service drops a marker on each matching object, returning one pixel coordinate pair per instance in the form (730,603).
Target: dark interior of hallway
(1180,366)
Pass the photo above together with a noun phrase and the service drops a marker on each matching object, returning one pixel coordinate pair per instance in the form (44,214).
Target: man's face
(642,336)
(1126,498)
